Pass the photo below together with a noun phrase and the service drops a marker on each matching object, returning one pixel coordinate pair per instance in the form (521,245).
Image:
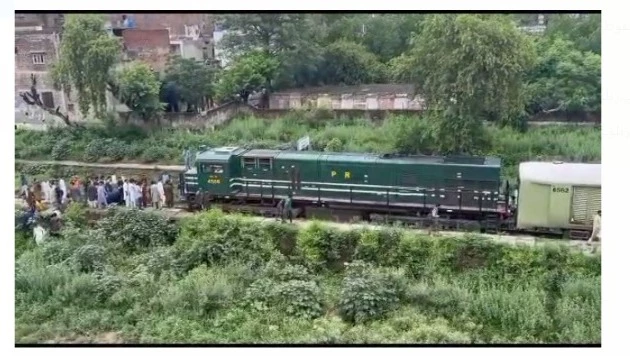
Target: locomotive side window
(249,163)
(264,164)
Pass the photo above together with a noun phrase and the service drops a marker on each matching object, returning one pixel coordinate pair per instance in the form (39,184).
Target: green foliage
(585,30)
(564,78)
(86,55)
(399,133)
(202,291)
(286,288)
(136,230)
(322,246)
(60,150)
(210,238)
(76,214)
(348,63)
(228,279)
(334,145)
(367,293)
(89,258)
(194,80)
(139,89)
(247,73)
(379,247)
(468,66)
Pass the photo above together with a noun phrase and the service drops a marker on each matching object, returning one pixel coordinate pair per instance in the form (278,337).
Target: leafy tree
(467,67)
(585,30)
(385,35)
(350,63)
(247,73)
(139,89)
(564,78)
(293,39)
(271,33)
(194,80)
(87,53)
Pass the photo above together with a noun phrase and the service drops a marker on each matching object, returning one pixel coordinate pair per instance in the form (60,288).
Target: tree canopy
(139,89)
(467,67)
(194,80)
(87,54)
(249,72)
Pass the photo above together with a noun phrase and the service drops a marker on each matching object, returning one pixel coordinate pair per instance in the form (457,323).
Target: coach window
(249,163)
(264,164)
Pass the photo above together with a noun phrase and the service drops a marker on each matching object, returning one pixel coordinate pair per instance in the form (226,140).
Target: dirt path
(107,165)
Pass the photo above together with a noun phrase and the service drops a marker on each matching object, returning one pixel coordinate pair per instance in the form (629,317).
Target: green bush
(379,246)
(326,247)
(136,229)
(286,288)
(76,214)
(61,150)
(211,238)
(202,291)
(367,293)
(89,258)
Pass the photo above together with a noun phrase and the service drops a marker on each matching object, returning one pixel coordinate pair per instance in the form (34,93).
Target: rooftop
(587,174)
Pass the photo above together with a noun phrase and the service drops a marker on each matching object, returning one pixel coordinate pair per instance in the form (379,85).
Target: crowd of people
(99,192)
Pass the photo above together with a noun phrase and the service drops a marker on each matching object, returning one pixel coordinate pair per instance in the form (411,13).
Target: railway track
(344,217)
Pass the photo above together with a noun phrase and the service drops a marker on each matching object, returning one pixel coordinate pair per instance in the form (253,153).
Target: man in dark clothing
(92,194)
(108,186)
(58,195)
(288,209)
(169,194)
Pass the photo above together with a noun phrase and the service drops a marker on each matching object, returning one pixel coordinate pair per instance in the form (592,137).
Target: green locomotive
(466,187)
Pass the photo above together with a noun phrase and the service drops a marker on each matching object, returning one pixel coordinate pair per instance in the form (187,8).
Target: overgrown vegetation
(229,279)
(395,133)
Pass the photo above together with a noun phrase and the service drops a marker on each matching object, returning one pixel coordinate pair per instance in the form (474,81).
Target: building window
(38,58)
(47,99)
(16,50)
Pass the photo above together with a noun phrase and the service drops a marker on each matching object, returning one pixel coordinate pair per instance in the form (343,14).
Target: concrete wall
(366,97)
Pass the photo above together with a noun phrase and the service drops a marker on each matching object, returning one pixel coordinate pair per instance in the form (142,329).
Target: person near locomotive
(597,225)
(288,209)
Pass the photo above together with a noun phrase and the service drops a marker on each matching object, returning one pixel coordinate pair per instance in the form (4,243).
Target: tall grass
(571,143)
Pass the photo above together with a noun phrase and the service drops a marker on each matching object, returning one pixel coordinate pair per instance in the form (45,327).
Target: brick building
(36,49)
(149,46)
(190,34)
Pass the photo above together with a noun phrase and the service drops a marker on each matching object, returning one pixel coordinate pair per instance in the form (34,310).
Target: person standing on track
(288,209)
(280,210)
(435,217)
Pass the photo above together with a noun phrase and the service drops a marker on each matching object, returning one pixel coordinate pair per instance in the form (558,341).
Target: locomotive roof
(588,174)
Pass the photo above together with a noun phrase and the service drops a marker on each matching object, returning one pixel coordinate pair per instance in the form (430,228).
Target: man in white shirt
(126,196)
(435,217)
(597,226)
